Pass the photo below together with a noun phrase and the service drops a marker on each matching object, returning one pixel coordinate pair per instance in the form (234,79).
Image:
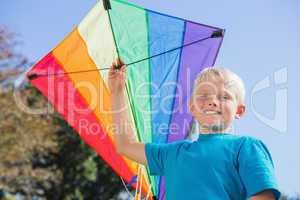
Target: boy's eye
(203,96)
(220,97)
(225,97)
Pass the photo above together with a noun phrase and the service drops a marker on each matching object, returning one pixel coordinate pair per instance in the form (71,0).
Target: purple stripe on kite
(220,43)
(190,67)
(162,190)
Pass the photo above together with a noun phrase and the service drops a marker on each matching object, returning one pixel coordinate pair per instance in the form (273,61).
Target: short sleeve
(256,168)
(157,157)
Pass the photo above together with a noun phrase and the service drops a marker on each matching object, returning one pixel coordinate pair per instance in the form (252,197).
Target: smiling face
(215,105)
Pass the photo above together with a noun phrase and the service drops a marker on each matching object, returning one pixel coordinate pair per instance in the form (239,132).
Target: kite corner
(106,4)
(218,33)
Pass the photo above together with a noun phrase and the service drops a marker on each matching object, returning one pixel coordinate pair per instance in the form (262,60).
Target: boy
(218,165)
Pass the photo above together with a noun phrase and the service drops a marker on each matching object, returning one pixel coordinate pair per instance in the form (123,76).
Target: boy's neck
(207,131)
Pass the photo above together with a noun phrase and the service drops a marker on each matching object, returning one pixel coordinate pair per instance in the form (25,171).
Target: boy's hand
(117,77)
(124,146)
(264,195)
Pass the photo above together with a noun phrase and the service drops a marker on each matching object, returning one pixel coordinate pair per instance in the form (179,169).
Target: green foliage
(25,141)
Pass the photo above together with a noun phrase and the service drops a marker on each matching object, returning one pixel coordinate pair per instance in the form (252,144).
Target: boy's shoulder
(241,138)
(231,139)
(245,140)
(248,139)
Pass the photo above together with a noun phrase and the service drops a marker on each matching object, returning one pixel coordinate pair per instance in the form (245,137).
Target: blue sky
(260,45)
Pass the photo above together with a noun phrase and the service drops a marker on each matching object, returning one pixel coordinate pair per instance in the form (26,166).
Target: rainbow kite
(163,54)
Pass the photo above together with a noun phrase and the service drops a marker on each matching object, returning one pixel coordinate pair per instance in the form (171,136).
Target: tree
(9,57)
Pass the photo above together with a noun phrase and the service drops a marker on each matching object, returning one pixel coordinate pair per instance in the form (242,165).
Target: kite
(163,55)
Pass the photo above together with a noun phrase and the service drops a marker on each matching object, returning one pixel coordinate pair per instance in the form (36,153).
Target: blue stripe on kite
(161,193)
(164,33)
(183,19)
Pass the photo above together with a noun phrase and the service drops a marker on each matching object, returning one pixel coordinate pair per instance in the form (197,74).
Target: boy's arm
(123,131)
(122,126)
(264,195)
(256,170)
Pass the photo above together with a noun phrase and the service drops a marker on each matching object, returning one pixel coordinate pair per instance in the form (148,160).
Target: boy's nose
(213,104)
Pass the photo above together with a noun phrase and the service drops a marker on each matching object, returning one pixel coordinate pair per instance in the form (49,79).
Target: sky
(261,45)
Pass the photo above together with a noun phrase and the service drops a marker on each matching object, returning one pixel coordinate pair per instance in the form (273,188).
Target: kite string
(124,184)
(130,194)
(137,183)
(148,193)
(141,183)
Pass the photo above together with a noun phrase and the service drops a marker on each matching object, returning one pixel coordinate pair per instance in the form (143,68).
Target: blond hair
(228,77)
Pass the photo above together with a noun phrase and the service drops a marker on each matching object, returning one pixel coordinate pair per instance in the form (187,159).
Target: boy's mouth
(211,112)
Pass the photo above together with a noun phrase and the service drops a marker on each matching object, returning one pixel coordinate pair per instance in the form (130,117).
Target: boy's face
(214,105)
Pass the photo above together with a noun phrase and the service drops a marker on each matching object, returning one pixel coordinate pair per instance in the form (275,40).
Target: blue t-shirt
(216,166)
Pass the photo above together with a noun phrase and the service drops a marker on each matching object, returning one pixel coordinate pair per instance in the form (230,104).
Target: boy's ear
(241,109)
